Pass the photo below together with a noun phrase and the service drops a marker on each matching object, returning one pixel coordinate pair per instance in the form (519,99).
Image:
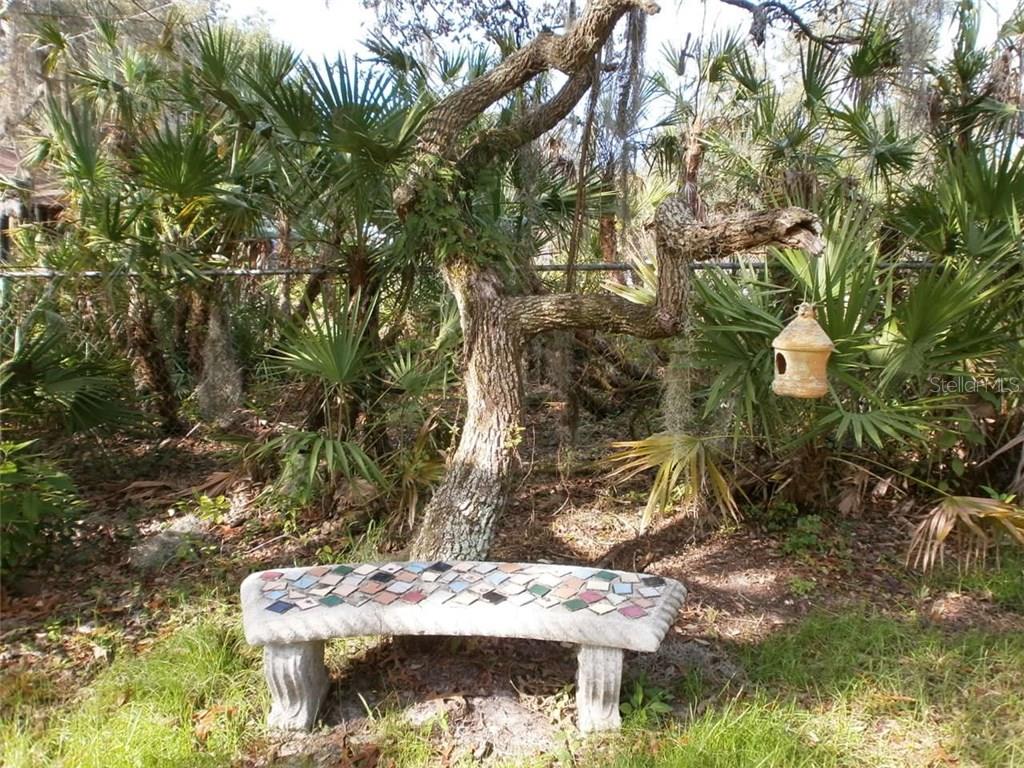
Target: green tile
(344,570)
(331,600)
(575,604)
(606,575)
(540,590)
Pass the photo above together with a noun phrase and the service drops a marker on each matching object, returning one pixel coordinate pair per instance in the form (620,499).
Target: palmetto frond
(332,350)
(978,523)
(683,462)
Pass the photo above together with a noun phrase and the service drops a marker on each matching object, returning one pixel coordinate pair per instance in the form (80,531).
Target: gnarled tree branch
(570,53)
(679,240)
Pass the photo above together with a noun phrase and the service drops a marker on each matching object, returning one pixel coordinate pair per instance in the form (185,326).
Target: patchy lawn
(804,647)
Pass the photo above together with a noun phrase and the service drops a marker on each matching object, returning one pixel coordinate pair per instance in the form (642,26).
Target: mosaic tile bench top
(392,596)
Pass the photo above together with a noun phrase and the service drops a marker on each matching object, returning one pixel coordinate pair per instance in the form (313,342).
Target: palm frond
(977,522)
(683,462)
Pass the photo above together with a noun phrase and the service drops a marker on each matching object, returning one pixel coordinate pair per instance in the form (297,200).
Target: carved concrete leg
(298,683)
(597,688)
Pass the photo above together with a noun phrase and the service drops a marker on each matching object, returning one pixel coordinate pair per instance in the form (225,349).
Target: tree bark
(152,374)
(459,519)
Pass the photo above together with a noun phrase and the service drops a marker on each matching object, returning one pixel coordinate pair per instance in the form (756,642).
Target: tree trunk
(459,519)
(152,375)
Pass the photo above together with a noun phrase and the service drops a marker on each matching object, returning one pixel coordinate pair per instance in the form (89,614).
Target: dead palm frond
(977,523)
(683,462)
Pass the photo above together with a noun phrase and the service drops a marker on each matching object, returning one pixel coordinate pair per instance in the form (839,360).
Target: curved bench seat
(292,611)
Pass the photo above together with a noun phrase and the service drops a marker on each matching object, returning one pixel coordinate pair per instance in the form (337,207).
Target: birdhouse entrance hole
(780,362)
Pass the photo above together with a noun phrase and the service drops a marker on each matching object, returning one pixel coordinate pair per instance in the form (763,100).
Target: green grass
(1003,584)
(838,689)
(144,710)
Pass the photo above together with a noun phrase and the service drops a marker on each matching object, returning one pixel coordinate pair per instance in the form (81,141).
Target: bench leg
(598,678)
(298,683)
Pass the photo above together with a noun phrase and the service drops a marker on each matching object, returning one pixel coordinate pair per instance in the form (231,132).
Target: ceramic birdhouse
(801,356)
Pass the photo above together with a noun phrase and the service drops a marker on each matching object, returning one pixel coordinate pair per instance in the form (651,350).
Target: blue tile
(305,581)
(416,567)
(458,586)
(277,594)
(496,578)
(622,589)
(280,607)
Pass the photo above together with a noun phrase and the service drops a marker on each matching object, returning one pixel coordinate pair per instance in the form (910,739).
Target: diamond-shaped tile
(598,585)
(439,567)
(416,567)
(391,567)
(632,611)
(318,571)
(307,602)
(357,599)
(653,581)
(649,591)
(496,577)
(439,596)
(547,601)
(277,594)
(414,596)
(320,590)
(331,578)
(494,597)
(345,589)
(605,575)
(602,607)
(382,577)
(399,587)
(371,587)
(484,567)
(539,589)
(510,588)
(615,599)
(271,575)
(343,570)
(629,578)
(481,587)
(331,600)
(385,597)
(406,576)
(509,567)
(458,586)
(622,589)
(590,596)
(280,607)
(465,598)
(364,569)
(522,598)
(305,582)
(575,604)
(275,585)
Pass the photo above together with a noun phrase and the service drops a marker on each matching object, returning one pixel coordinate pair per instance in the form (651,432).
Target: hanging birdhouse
(801,356)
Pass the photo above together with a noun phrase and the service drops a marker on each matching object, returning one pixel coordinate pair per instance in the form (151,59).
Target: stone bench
(292,611)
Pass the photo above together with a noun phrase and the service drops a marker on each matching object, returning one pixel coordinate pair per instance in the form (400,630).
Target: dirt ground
(742,587)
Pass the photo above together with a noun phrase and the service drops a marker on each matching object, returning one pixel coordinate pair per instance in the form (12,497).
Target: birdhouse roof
(803,334)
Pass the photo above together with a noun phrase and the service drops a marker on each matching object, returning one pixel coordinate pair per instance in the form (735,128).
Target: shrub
(38,503)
